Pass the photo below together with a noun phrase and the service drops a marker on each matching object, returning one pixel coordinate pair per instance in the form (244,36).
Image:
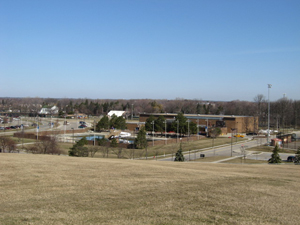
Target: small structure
(49,110)
(286,138)
(276,141)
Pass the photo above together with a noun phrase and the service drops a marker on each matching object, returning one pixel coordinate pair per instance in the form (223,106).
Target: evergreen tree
(148,124)
(114,143)
(179,156)
(182,126)
(159,124)
(297,157)
(275,157)
(78,149)
(141,140)
(120,123)
(103,123)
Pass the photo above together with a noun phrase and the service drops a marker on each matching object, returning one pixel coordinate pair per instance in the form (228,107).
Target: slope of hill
(44,189)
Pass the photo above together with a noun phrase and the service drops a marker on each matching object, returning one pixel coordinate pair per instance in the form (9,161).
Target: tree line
(284,112)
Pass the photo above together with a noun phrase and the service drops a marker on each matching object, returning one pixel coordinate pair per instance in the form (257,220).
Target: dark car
(82,126)
(12,127)
(290,159)
(251,133)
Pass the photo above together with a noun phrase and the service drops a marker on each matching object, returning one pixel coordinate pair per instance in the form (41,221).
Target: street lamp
(231,139)
(206,127)
(268,133)
(198,128)
(94,131)
(166,140)
(177,121)
(188,121)
(73,134)
(65,128)
(153,133)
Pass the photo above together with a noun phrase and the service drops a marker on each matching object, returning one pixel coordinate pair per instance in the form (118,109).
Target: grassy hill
(45,189)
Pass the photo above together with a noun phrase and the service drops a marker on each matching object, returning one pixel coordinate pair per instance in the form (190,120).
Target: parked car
(239,135)
(290,158)
(12,127)
(2,128)
(251,133)
(82,122)
(82,126)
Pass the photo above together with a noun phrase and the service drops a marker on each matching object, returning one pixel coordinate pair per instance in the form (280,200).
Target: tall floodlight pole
(268,133)
(131,111)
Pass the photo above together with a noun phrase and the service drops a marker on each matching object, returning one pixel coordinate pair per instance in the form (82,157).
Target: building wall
(240,124)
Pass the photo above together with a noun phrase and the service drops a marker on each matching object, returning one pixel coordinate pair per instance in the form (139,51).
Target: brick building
(241,124)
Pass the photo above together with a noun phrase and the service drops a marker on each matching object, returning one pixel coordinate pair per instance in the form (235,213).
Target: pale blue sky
(159,49)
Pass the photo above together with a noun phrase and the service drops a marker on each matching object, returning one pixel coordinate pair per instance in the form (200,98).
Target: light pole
(268,133)
(65,128)
(94,131)
(166,141)
(177,129)
(73,134)
(198,128)
(206,127)
(188,121)
(153,133)
(131,111)
(231,140)
(37,130)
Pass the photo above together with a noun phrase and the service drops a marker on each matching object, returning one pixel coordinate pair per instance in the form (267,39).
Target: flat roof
(195,116)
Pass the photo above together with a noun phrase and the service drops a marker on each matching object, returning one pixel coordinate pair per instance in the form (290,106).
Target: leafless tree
(7,144)
(47,146)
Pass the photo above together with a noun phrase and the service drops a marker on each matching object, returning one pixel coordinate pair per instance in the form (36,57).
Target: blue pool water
(91,138)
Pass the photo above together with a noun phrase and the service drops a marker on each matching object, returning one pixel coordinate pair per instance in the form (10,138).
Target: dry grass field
(45,189)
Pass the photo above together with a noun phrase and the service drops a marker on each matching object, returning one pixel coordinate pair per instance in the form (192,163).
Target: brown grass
(45,189)
(247,161)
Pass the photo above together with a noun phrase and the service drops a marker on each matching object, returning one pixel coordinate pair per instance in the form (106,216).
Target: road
(236,150)
(226,150)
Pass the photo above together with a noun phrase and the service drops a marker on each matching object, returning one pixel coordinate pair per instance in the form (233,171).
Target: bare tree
(47,146)
(7,144)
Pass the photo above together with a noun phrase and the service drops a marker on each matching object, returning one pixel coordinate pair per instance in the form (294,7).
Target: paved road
(236,150)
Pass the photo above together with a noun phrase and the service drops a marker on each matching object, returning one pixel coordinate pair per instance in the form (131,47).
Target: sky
(219,50)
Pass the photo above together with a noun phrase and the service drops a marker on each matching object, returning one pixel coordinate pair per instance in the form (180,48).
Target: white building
(49,110)
(116,112)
